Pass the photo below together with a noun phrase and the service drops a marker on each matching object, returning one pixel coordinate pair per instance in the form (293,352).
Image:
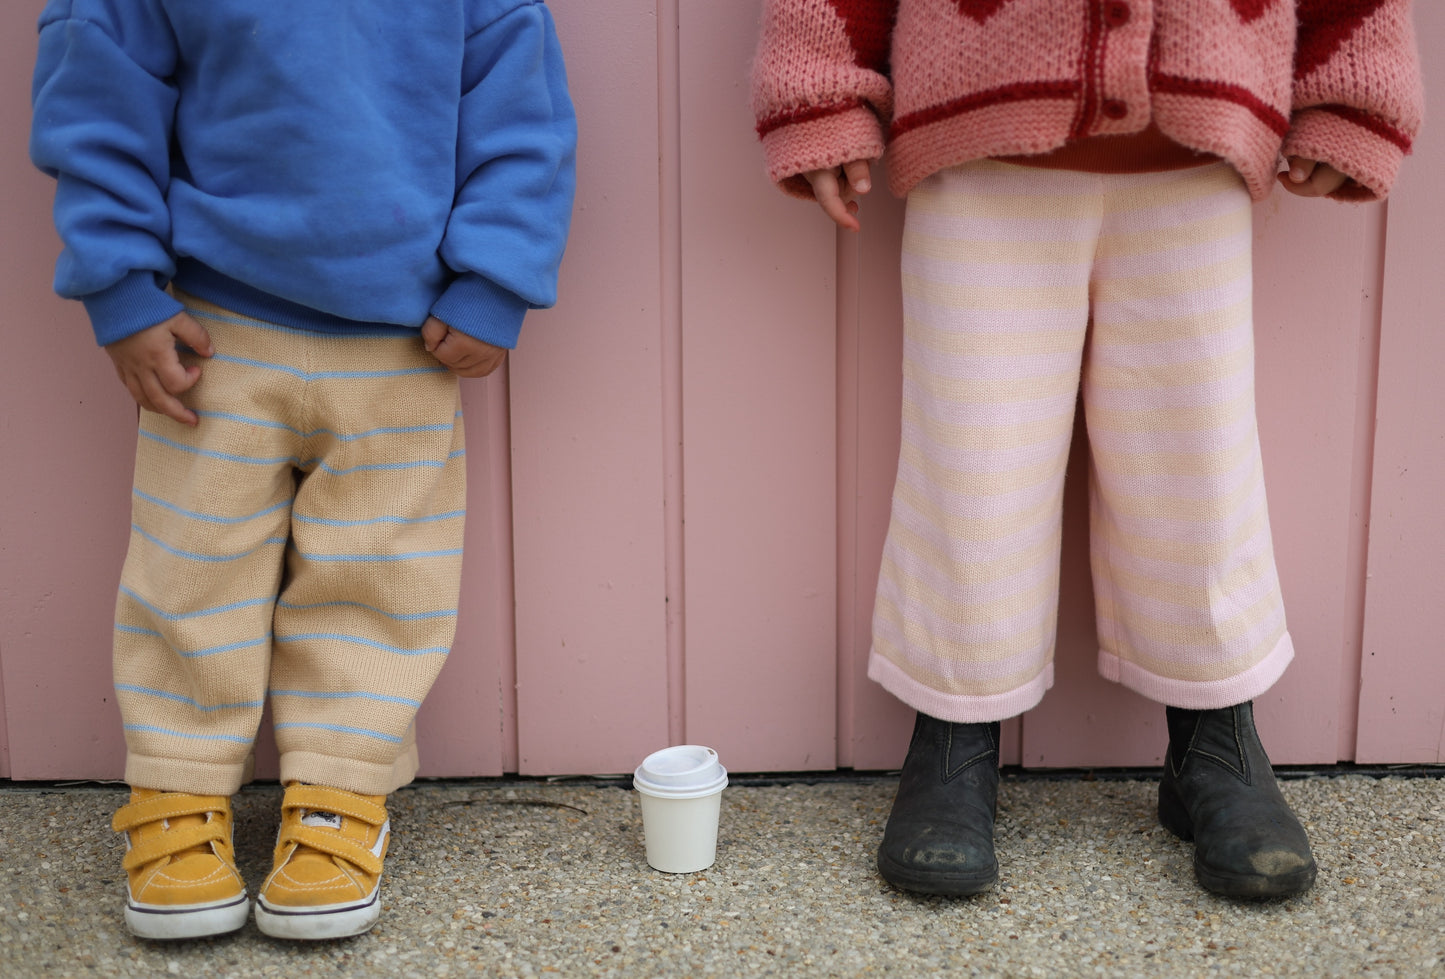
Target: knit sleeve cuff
(135,303)
(817,138)
(482,309)
(1363,147)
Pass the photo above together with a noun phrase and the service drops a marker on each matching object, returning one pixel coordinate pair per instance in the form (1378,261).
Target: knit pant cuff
(362,777)
(1201,694)
(184,775)
(959,708)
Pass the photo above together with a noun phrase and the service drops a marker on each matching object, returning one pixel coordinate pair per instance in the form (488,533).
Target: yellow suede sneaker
(181,877)
(326,875)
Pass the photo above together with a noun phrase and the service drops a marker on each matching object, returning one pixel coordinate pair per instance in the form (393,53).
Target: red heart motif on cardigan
(1251,10)
(1324,25)
(869,25)
(980,10)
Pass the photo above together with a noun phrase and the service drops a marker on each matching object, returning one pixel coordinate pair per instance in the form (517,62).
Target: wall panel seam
(669,124)
(1367,390)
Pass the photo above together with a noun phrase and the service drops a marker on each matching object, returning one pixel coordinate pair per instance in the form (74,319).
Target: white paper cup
(680,789)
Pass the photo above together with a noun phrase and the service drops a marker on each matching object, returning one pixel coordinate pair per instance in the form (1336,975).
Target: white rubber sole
(322,922)
(167,922)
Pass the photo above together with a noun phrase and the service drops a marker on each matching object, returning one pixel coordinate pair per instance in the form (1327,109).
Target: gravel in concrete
(523,878)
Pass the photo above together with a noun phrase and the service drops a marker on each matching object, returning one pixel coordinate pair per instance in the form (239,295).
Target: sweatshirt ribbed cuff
(135,303)
(480,308)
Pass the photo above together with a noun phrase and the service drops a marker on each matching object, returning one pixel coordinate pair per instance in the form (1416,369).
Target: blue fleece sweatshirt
(332,165)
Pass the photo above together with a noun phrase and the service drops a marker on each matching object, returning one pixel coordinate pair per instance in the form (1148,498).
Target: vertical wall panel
(586,384)
(870,395)
(67,441)
(758,422)
(471,684)
(1402,700)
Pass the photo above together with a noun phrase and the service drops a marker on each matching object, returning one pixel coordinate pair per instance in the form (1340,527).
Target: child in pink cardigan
(1079,176)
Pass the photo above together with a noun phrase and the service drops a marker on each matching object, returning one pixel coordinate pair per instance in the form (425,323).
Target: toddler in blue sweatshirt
(293,227)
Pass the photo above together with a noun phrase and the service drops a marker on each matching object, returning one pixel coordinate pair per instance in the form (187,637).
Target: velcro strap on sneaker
(319,798)
(168,806)
(331,842)
(173,841)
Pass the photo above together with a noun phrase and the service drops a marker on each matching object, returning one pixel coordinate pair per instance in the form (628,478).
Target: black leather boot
(1219,791)
(939,838)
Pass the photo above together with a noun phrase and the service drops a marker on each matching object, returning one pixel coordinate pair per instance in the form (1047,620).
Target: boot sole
(947,885)
(1175,818)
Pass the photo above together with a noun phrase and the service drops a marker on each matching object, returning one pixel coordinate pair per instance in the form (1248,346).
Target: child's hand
(837,196)
(151,369)
(1309,178)
(463,355)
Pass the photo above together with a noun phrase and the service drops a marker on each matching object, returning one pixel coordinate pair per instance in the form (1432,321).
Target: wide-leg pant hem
(186,775)
(364,778)
(1197,694)
(958,708)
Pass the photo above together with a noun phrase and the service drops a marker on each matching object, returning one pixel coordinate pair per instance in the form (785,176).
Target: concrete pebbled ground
(533,877)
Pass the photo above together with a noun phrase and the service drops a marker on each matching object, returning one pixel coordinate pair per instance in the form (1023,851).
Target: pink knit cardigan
(1331,80)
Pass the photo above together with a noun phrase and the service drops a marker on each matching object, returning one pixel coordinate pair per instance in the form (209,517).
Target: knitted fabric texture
(302,544)
(966,79)
(1018,283)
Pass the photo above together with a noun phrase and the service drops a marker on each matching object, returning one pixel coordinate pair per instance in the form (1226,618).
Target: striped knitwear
(942,82)
(1019,284)
(301,545)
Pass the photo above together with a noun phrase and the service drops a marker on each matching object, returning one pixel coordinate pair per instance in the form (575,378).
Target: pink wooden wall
(679,489)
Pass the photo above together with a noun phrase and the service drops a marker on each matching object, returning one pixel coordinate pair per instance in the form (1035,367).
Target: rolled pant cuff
(1201,694)
(956,707)
(182,775)
(362,777)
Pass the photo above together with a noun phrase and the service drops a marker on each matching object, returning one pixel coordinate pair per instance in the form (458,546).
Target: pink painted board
(1307,328)
(587,435)
(870,395)
(1361,478)
(1402,697)
(759,354)
(460,728)
(67,441)
(4,734)
(1314,264)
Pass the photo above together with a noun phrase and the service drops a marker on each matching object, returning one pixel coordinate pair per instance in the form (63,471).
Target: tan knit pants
(302,544)
(1020,286)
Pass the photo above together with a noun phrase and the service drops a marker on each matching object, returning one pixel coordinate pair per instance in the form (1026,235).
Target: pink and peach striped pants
(1019,284)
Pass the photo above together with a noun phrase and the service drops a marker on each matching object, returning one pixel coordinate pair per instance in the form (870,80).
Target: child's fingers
(1309,178)
(187,330)
(829,194)
(1300,170)
(1325,180)
(157,398)
(433,332)
(466,356)
(841,212)
(857,174)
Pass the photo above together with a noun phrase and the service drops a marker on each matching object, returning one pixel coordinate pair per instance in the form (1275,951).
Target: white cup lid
(680,771)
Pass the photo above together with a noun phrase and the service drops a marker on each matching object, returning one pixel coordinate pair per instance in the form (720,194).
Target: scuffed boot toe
(939,838)
(1219,791)
(939,861)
